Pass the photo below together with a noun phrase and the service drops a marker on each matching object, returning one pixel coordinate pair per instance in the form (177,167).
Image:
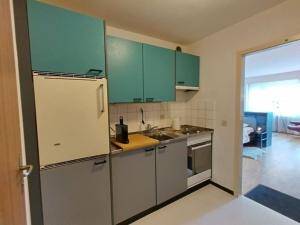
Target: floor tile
(212,206)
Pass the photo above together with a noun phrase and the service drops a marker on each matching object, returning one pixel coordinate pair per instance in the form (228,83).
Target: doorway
(271,133)
(12,187)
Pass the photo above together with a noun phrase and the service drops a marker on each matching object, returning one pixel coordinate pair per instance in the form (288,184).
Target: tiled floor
(212,206)
(278,168)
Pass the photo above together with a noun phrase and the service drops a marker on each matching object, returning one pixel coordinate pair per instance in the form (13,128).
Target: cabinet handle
(180,82)
(162,147)
(137,100)
(149,150)
(149,99)
(100,163)
(94,72)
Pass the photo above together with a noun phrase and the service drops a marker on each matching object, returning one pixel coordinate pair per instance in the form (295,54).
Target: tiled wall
(190,111)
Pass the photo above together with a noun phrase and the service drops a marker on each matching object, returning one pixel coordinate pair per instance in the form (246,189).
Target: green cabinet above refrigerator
(124,70)
(159,74)
(187,71)
(65,41)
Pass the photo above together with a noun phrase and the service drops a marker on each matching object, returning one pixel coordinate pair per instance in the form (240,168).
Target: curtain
(280,97)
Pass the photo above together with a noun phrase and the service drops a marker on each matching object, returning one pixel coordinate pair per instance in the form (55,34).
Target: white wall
(218,75)
(142,38)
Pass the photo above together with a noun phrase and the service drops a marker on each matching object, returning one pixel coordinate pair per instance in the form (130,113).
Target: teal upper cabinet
(159,73)
(64,41)
(125,70)
(187,69)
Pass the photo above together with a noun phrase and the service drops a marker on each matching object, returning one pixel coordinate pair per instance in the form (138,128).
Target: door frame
(240,78)
(14,201)
(26,89)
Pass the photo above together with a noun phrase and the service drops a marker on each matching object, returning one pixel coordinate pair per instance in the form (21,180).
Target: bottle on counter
(122,132)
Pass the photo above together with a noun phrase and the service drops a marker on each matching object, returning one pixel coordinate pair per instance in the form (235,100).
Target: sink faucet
(150,129)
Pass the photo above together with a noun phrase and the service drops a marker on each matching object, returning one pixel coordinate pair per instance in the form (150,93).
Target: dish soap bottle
(122,132)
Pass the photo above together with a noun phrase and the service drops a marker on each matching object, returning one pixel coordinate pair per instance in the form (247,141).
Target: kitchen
(66,66)
(89,161)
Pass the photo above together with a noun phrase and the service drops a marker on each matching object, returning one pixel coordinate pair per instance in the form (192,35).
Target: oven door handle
(200,146)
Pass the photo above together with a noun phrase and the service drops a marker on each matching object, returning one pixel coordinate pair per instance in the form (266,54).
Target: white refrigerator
(72,118)
(73,138)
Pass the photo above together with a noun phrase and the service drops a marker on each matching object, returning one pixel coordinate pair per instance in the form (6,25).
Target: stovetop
(188,129)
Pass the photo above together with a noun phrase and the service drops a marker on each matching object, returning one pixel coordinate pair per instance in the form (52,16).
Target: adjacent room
(271,139)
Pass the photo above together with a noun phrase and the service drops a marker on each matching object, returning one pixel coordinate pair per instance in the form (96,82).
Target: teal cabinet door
(64,41)
(159,74)
(187,69)
(125,70)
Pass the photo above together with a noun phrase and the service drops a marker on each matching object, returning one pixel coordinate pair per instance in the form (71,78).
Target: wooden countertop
(136,141)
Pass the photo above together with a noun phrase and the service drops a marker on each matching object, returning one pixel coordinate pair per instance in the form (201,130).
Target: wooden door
(12,204)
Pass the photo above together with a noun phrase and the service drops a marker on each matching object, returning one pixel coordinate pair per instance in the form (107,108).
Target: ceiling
(281,59)
(180,21)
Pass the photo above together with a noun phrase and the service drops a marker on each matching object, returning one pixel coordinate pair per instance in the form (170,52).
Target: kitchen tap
(150,129)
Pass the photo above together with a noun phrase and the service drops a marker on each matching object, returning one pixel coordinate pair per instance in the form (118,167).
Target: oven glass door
(199,158)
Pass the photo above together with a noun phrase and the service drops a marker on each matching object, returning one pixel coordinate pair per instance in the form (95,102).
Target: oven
(199,159)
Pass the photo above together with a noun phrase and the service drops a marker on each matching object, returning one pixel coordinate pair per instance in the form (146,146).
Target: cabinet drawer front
(133,179)
(159,74)
(187,69)
(171,166)
(77,193)
(64,41)
(125,70)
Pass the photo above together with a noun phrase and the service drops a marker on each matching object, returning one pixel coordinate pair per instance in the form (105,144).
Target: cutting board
(136,141)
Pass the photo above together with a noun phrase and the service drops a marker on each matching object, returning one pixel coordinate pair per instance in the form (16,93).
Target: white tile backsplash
(194,112)
(122,108)
(132,108)
(201,113)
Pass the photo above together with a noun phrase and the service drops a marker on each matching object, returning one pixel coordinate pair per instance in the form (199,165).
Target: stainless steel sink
(164,135)
(160,137)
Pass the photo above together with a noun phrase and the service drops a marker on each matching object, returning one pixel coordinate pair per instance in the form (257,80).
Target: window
(280,97)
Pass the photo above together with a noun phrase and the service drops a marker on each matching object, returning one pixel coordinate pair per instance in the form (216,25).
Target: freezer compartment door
(72,118)
(77,194)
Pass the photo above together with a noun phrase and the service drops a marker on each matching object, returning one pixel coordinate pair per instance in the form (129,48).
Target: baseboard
(157,207)
(222,187)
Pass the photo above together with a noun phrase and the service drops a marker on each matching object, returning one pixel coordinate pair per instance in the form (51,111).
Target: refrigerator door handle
(101,98)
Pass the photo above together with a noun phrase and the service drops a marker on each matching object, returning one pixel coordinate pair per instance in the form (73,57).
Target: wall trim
(229,191)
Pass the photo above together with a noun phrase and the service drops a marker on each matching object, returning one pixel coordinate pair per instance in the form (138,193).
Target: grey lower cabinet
(133,183)
(171,166)
(77,193)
